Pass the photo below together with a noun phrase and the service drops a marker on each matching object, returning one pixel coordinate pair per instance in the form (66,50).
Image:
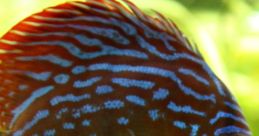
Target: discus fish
(104,68)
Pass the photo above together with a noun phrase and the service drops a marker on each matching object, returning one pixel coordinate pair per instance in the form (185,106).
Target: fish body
(98,68)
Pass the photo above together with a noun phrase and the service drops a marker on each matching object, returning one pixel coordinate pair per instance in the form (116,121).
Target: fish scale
(98,68)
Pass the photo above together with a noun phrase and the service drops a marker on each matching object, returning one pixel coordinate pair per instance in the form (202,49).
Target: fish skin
(98,68)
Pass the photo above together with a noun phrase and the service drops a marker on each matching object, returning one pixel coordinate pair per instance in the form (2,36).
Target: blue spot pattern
(50,132)
(78,69)
(61,78)
(103,89)
(123,121)
(68,98)
(68,125)
(180,124)
(113,104)
(160,94)
(154,114)
(86,123)
(89,109)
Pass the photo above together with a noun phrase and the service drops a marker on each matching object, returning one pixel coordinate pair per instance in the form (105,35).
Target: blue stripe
(193,74)
(68,98)
(75,51)
(106,32)
(40,92)
(125,82)
(232,106)
(126,27)
(222,114)
(160,94)
(184,109)
(195,129)
(43,76)
(152,49)
(151,71)
(86,83)
(136,100)
(231,130)
(151,33)
(180,124)
(40,115)
(50,58)
(113,104)
(108,49)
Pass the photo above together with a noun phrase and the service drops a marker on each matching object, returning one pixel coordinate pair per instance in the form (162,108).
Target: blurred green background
(226,32)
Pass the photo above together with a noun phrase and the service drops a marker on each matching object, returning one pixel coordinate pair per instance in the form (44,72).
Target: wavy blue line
(68,98)
(86,83)
(106,32)
(152,71)
(152,49)
(125,82)
(34,96)
(222,114)
(39,116)
(231,130)
(190,72)
(50,58)
(184,109)
(232,106)
(43,76)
